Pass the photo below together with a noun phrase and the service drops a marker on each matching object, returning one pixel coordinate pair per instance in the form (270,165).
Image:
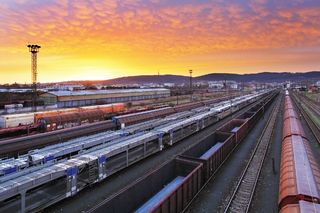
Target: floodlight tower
(34,49)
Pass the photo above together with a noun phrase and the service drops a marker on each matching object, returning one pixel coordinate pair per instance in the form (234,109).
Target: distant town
(18,97)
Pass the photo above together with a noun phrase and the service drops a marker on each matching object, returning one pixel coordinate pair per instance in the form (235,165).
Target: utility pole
(34,49)
(177,96)
(190,72)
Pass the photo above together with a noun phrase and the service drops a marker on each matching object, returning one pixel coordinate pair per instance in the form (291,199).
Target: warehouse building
(93,97)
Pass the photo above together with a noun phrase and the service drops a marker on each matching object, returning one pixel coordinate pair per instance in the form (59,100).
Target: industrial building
(91,97)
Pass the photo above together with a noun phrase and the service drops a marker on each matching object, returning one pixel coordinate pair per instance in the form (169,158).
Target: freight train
(171,186)
(15,120)
(32,123)
(108,157)
(20,145)
(299,188)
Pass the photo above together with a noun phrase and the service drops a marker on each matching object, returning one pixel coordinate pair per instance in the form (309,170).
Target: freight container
(239,127)
(212,151)
(15,120)
(168,188)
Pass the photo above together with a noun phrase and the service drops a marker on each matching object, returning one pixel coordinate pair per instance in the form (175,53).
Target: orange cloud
(135,37)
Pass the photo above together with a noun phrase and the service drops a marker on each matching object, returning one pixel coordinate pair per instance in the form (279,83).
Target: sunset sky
(95,39)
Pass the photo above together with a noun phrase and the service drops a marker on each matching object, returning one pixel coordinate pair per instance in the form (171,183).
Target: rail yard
(159,106)
(203,156)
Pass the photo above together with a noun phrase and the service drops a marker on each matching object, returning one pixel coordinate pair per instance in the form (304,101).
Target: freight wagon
(14,120)
(18,146)
(51,123)
(32,123)
(172,194)
(168,188)
(299,187)
(179,126)
(64,118)
(239,127)
(212,151)
(65,178)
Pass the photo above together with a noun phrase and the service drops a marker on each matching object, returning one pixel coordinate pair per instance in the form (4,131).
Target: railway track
(133,173)
(311,123)
(313,106)
(241,198)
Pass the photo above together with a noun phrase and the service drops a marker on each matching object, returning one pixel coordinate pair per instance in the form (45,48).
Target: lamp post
(190,72)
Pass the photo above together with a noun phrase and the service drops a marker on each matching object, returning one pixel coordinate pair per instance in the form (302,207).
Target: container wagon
(14,120)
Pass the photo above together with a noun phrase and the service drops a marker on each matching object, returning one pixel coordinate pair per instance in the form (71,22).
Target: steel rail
(212,177)
(311,123)
(220,122)
(241,198)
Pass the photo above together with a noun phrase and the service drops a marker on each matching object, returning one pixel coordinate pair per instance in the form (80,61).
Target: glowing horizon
(97,40)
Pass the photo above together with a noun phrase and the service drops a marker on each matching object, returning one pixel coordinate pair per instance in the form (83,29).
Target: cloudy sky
(96,39)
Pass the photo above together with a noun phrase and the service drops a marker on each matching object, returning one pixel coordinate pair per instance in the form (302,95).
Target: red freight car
(299,188)
(292,126)
(67,120)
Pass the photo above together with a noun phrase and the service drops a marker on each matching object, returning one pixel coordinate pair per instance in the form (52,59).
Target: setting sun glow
(96,39)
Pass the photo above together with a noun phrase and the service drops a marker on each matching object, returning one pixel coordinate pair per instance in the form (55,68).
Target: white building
(215,84)
(65,87)
(169,84)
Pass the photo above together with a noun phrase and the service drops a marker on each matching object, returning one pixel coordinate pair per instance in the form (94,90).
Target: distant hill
(257,77)
(141,79)
(262,77)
